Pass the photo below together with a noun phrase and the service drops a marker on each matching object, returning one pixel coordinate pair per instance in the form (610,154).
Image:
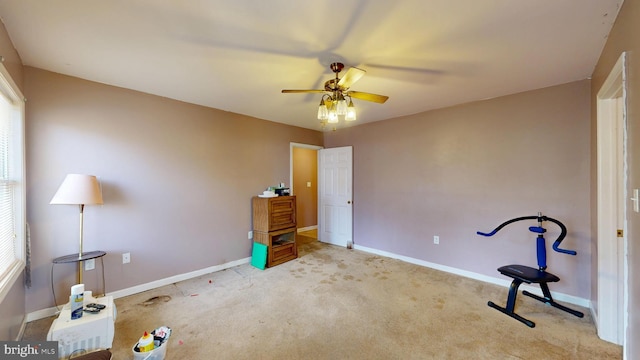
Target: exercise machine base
(526,274)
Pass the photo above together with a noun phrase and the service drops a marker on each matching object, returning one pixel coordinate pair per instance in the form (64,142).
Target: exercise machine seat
(527,274)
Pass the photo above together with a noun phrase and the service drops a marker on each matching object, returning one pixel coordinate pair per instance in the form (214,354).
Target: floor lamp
(81,190)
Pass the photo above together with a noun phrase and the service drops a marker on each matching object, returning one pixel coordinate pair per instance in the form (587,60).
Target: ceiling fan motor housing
(337,67)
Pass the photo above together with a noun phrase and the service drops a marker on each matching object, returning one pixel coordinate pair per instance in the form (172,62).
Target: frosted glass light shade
(351,112)
(77,189)
(341,108)
(323,113)
(333,117)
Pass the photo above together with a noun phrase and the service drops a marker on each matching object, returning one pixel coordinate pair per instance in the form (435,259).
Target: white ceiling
(237,55)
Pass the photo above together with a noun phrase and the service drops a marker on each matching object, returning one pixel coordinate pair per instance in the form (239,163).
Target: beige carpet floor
(334,303)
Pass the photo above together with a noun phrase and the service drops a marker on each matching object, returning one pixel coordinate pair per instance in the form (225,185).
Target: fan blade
(350,77)
(367,96)
(303,91)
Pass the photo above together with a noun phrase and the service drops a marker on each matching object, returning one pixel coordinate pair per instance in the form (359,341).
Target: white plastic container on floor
(155,354)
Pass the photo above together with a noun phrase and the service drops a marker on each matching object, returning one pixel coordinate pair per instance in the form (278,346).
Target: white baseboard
(308,228)
(592,310)
(41,314)
(176,278)
(489,279)
(23,326)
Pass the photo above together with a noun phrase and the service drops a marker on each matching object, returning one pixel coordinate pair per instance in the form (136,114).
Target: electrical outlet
(250,235)
(308,183)
(436,239)
(89,264)
(126,258)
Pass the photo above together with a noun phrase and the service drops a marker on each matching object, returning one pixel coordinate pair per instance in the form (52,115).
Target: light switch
(308,183)
(636,206)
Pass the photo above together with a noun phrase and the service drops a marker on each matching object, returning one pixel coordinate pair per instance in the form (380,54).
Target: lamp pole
(81,235)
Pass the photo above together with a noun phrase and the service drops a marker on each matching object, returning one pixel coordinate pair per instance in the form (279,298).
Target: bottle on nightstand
(76,301)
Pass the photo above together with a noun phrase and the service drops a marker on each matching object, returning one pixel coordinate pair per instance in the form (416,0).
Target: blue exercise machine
(529,275)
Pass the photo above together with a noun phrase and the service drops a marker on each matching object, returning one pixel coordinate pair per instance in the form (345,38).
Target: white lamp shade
(77,189)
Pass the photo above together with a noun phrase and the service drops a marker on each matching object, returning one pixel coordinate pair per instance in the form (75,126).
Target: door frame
(612,267)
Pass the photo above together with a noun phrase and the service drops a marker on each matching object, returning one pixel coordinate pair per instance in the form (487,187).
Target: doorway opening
(303,179)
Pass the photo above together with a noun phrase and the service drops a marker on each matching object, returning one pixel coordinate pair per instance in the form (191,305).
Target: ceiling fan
(333,102)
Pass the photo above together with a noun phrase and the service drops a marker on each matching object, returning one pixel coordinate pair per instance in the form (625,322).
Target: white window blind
(7,216)
(12,195)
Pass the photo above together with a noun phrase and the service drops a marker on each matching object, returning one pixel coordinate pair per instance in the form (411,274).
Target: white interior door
(611,306)
(335,193)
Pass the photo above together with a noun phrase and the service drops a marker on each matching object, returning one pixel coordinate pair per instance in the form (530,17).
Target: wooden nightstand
(274,225)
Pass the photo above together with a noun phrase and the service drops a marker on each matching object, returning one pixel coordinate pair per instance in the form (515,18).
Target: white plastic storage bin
(155,354)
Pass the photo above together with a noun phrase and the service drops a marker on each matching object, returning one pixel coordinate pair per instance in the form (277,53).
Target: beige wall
(454,171)
(178,178)
(305,169)
(177,181)
(12,308)
(624,37)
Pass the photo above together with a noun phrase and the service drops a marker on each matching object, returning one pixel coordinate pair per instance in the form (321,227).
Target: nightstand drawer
(283,204)
(270,214)
(282,220)
(283,253)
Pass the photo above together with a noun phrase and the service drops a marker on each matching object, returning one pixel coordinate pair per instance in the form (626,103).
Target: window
(12,184)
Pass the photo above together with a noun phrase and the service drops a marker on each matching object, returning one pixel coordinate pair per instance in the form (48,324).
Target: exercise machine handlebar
(537,229)
(505,224)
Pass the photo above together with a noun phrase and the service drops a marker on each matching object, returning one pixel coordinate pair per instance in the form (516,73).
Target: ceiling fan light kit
(336,108)
(334,103)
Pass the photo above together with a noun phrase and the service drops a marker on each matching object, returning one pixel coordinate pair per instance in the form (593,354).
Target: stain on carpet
(324,257)
(156,300)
